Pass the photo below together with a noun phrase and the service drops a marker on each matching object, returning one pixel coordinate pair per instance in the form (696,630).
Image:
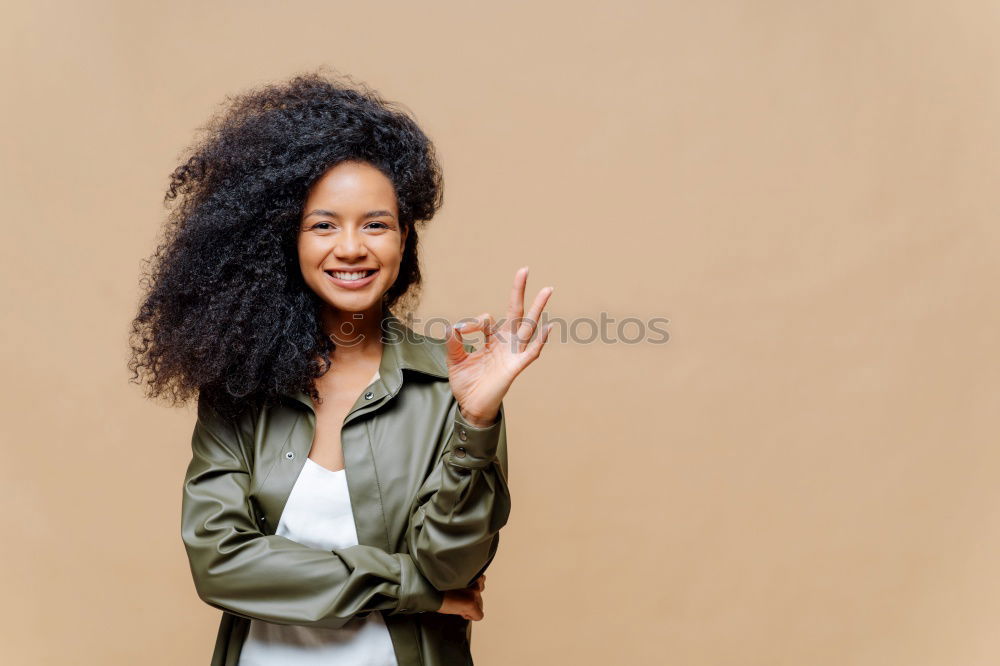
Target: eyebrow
(330,213)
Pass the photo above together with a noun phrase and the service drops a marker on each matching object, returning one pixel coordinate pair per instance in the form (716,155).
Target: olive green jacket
(429,494)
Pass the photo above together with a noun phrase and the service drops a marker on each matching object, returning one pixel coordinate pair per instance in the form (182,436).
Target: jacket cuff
(416,594)
(472,447)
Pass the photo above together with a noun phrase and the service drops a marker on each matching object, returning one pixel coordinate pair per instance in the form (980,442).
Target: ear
(404,235)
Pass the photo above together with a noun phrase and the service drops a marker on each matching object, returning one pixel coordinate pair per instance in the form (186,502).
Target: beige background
(806,474)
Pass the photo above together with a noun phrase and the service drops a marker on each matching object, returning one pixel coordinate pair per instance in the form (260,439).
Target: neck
(353,333)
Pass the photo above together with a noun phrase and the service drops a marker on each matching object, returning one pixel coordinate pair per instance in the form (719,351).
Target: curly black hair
(226,313)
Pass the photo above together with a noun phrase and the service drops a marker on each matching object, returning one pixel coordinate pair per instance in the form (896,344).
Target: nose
(350,244)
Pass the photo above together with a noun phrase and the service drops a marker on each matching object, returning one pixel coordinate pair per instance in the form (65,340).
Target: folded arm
(237,568)
(453,533)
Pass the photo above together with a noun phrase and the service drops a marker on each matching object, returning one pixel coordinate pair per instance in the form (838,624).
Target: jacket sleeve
(238,569)
(453,532)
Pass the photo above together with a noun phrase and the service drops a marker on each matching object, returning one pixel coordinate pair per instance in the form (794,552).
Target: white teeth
(350,276)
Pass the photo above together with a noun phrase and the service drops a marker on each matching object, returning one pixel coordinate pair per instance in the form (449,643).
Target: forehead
(351,185)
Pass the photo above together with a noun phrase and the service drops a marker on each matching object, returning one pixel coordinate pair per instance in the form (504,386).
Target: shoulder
(235,428)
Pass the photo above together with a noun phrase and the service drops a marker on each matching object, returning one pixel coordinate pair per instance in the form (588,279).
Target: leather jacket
(428,491)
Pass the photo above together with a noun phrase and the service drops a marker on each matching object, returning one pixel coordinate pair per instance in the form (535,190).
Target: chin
(353,306)
(342,300)
(358,304)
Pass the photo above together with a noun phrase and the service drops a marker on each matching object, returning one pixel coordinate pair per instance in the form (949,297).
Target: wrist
(474,446)
(480,420)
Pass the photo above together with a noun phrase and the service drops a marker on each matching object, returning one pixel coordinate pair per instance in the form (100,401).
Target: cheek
(311,256)
(308,249)
(390,253)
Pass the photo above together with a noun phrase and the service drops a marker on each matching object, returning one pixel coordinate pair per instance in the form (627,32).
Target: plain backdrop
(804,474)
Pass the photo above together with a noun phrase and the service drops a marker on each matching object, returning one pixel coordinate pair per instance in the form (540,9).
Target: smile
(352,279)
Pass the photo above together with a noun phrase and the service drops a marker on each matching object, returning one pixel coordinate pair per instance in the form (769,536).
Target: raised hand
(480,379)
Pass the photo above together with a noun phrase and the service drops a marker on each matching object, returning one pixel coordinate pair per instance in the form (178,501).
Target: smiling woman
(348,476)
(240,202)
(350,243)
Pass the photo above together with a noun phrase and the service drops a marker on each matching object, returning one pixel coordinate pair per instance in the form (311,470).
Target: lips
(356,283)
(353,273)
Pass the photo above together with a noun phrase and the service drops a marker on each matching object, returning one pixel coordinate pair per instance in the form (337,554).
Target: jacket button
(460,452)
(369,395)
(462,435)
(290,455)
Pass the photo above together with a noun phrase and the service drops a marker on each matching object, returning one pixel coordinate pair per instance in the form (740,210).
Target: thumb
(454,346)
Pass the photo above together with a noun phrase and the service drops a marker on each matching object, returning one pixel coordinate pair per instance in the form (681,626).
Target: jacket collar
(402,349)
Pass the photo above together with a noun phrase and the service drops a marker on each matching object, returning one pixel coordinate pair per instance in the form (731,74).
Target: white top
(319,514)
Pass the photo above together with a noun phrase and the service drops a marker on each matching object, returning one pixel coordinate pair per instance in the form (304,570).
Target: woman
(348,478)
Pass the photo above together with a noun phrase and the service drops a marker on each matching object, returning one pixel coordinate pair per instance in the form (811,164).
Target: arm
(237,568)
(453,533)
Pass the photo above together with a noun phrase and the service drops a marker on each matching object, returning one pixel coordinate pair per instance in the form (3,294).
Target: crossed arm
(452,536)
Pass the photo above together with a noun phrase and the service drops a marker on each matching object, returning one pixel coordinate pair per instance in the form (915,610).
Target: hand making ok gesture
(480,379)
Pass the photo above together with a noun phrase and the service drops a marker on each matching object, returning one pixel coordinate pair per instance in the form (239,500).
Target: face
(350,241)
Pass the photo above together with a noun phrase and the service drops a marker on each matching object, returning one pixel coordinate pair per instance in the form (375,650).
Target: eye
(382,225)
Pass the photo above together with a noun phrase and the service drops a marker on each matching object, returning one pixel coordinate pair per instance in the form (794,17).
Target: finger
(482,322)
(473,324)
(455,346)
(527,327)
(533,350)
(489,326)
(454,349)
(515,308)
